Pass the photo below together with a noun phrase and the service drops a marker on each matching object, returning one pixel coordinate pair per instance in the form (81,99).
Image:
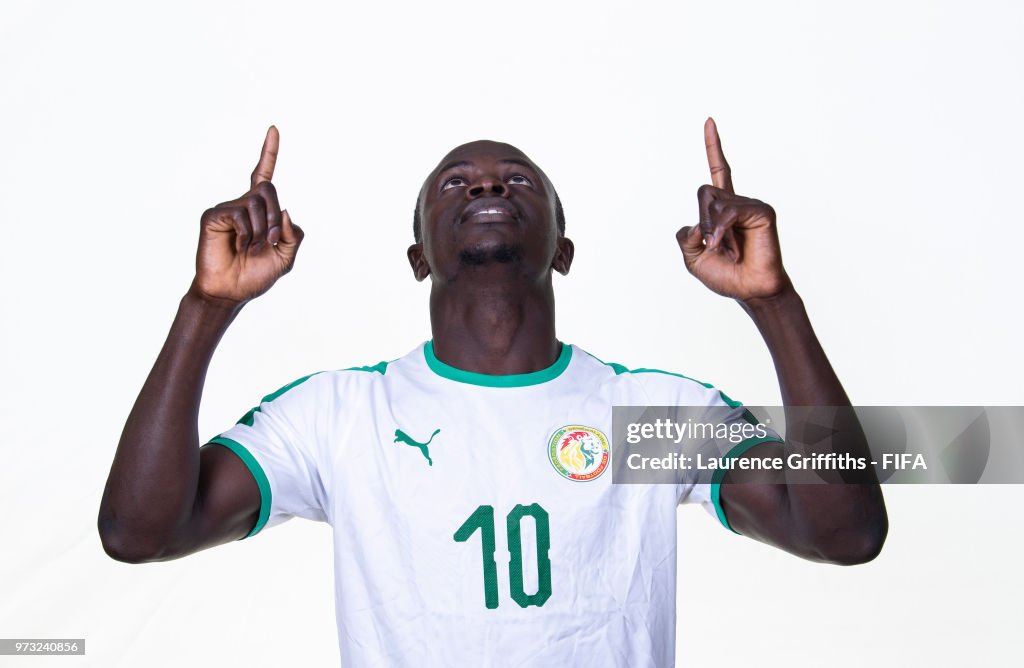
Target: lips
(489,209)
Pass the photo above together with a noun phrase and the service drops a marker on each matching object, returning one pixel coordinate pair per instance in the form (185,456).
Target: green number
(515,547)
(483,519)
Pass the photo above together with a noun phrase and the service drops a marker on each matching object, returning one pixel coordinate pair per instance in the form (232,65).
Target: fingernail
(707,240)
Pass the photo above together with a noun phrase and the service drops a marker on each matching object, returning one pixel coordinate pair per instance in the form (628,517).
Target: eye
(519,180)
(454,182)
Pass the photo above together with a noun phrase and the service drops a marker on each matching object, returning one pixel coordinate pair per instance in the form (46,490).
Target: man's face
(487,205)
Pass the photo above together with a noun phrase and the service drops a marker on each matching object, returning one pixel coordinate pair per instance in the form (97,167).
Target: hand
(735,248)
(246,244)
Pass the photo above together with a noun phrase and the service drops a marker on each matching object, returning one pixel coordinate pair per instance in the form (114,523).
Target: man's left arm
(735,252)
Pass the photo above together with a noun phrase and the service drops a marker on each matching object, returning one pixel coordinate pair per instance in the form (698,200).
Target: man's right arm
(165,496)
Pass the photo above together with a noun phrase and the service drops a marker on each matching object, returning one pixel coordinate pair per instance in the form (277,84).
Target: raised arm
(734,251)
(165,497)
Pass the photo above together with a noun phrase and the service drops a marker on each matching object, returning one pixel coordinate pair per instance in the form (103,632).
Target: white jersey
(475,520)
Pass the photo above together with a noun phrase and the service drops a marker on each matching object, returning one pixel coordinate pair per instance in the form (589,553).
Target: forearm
(151,489)
(806,377)
(833,522)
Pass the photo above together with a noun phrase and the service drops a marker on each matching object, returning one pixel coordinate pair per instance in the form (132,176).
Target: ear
(420,268)
(564,250)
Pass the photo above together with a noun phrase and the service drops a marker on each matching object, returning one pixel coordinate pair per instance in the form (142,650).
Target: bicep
(227,503)
(819,522)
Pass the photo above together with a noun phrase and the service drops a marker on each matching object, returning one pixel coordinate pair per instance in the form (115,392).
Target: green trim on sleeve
(249,417)
(257,473)
(719,475)
(379,367)
(487,380)
(619,369)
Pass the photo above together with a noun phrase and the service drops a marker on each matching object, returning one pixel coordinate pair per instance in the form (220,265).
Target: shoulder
(364,375)
(323,387)
(330,380)
(662,387)
(356,379)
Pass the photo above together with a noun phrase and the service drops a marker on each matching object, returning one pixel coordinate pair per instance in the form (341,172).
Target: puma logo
(402,437)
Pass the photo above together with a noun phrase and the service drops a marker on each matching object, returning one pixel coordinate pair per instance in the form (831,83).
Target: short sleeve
(669,389)
(278,441)
(708,492)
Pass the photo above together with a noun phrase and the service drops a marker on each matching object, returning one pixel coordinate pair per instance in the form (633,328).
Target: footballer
(466,482)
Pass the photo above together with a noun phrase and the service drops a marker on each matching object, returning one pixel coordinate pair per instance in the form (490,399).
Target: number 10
(483,519)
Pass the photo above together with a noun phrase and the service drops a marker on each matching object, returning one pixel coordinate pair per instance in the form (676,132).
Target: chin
(484,254)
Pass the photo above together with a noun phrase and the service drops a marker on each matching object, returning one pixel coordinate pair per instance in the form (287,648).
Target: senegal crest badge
(579,453)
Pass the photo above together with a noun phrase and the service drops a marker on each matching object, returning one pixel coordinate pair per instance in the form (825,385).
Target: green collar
(487,380)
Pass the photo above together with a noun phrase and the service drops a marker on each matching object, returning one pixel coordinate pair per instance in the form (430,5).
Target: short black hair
(559,217)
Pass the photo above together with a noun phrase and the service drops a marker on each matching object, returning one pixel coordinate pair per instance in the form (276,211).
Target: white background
(886,135)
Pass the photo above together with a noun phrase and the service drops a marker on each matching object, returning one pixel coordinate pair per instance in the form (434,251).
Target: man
(464,481)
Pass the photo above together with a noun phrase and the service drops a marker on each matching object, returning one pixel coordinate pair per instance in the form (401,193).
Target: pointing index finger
(721,174)
(268,158)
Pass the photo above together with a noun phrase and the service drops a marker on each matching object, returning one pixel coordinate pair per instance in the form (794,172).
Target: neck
(496,327)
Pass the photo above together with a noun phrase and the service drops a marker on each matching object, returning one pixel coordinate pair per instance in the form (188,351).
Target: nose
(487,186)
